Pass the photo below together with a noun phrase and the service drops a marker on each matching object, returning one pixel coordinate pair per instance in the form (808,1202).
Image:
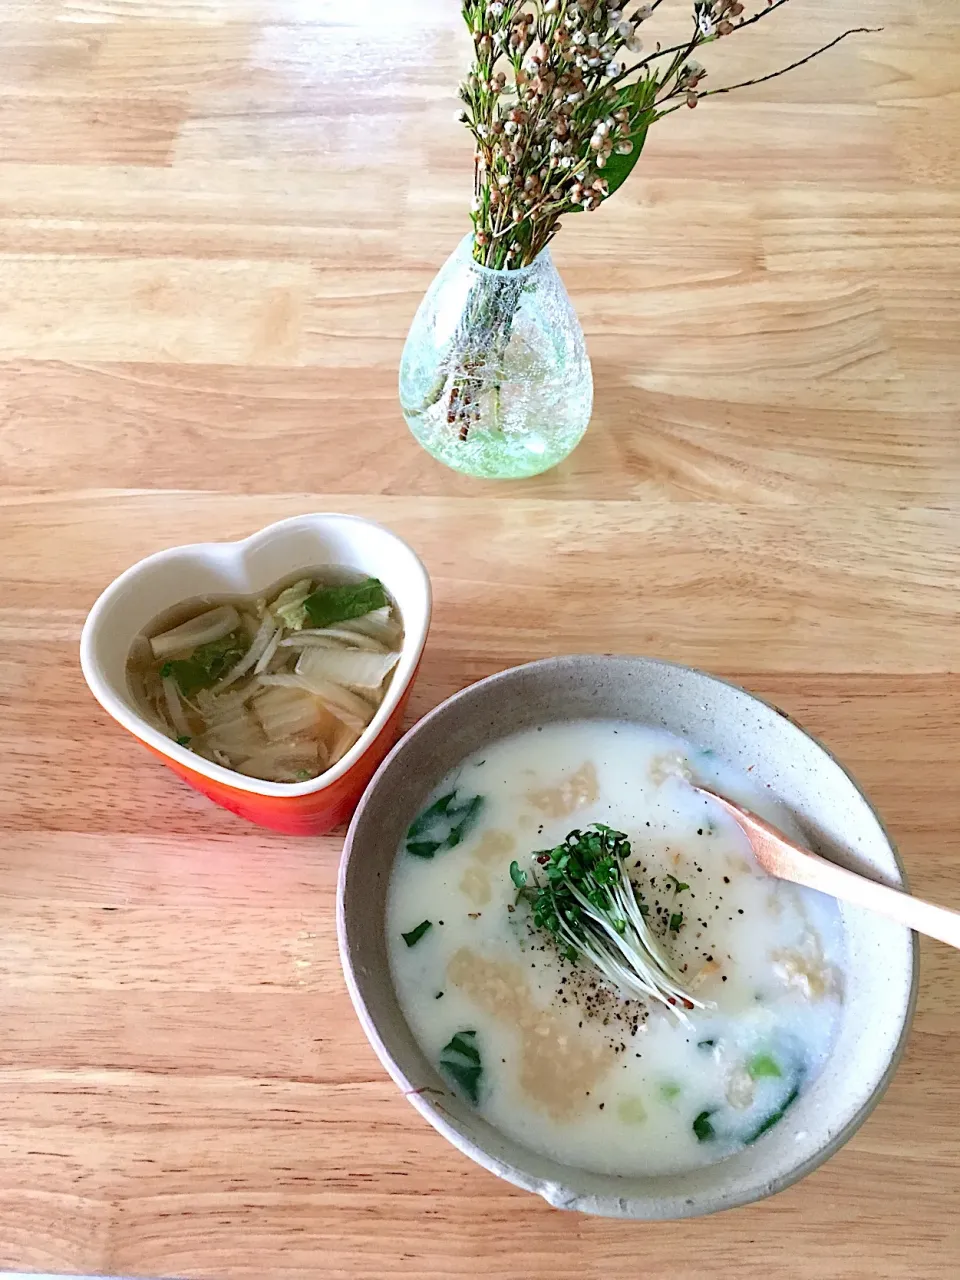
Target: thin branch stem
(747,22)
(757,17)
(744,84)
(686,48)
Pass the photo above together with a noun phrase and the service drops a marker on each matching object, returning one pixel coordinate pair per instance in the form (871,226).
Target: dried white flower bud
(624,148)
(614,68)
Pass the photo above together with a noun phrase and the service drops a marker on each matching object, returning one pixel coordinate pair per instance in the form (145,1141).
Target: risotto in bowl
(570,962)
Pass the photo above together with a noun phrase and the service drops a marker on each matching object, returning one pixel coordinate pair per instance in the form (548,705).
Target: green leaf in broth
(423,848)
(329,605)
(414,936)
(763,1066)
(632,1111)
(462,1044)
(470,813)
(430,815)
(676,920)
(703,1128)
(206,665)
(446,823)
(461,1060)
(669,1091)
(776,1117)
(468,1078)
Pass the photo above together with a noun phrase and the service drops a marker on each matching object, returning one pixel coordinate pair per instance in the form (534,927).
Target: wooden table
(216,220)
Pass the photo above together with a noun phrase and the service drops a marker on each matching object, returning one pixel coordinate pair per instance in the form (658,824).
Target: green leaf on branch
(639,101)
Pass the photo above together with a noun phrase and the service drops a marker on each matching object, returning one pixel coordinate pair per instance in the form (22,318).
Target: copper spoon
(779,856)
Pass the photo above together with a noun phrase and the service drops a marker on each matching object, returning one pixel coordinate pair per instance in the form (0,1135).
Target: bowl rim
(414,641)
(555,1193)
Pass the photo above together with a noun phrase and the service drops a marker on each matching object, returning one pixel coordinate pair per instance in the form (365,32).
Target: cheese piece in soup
(529,1032)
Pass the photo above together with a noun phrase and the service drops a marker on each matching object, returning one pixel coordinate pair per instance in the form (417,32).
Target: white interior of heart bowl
(249,568)
(838,821)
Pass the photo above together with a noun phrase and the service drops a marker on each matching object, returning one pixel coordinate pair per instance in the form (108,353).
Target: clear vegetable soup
(278,687)
(586,948)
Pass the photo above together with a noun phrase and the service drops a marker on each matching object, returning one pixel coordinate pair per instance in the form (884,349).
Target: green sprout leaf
(414,936)
(583,896)
(676,920)
(518,877)
(678,885)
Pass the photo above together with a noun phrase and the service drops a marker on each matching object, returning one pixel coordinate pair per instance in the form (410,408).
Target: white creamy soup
(547,1049)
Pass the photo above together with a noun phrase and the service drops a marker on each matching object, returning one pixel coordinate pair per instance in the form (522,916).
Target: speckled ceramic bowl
(838,821)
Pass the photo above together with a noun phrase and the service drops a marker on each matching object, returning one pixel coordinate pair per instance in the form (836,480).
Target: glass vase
(495,379)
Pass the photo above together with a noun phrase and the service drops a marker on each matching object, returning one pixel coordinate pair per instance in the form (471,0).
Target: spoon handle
(782,858)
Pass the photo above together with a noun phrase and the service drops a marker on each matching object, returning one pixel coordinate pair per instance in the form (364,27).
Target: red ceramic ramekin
(251,568)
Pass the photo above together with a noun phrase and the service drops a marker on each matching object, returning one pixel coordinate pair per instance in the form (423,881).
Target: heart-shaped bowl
(250,568)
(827,806)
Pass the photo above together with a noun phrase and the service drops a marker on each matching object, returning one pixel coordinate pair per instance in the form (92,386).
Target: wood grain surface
(216,220)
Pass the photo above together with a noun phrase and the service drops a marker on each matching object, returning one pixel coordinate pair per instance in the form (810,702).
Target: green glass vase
(495,379)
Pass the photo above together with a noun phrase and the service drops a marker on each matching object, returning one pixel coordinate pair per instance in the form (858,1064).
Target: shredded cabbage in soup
(278,689)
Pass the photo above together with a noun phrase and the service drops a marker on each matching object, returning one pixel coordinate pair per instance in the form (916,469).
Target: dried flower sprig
(558,113)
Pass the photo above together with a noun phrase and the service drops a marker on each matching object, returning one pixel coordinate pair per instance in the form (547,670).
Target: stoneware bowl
(833,813)
(250,568)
